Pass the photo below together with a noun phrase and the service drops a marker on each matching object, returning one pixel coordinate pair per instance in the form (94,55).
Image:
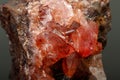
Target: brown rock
(56,40)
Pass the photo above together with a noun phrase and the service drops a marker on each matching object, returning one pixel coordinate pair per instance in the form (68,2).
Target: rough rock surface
(56,39)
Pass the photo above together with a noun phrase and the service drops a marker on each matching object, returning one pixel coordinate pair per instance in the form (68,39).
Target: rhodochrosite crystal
(56,39)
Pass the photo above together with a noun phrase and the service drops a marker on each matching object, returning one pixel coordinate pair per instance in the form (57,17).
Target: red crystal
(53,47)
(85,40)
(78,38)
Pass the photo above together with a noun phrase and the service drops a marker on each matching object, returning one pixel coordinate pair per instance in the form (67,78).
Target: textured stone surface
(56,39)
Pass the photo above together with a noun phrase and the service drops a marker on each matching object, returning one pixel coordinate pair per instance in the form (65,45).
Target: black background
(111,54)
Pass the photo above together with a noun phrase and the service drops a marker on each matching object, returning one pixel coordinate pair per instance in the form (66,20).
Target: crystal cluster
(56,39)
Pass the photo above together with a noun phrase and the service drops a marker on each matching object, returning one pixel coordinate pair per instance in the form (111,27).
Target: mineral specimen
(56,39)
